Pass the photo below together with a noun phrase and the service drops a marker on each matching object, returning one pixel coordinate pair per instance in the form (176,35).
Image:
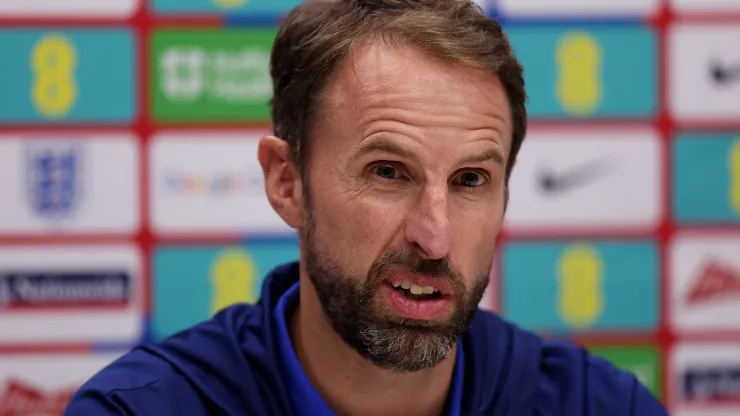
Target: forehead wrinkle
(409,123)
(391,102)
(353,99)
(381,117)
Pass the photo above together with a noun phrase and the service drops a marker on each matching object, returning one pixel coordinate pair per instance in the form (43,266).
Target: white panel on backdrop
(720,6)
(41,384)
(489,301)
(209,183)
(583,179)
(704,72)
(705,379)
(705,283)
(67,293)
(549,8)
(484,4)
(87,8)
(69,184)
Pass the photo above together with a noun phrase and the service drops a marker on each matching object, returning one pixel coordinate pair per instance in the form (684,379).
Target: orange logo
(716,281)
(22,399)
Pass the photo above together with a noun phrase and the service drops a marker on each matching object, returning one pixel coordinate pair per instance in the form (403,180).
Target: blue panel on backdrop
(706,178)
(588,71)
(578,286)
(191,283)
(240,7)
(67,76)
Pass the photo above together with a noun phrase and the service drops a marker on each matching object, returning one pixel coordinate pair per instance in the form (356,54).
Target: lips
(417,297)
(419,284)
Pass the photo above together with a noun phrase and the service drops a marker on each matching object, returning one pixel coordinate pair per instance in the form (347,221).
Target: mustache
(398,258)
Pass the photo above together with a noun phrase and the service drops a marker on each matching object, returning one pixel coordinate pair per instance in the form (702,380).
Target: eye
(386,171)
(470,179)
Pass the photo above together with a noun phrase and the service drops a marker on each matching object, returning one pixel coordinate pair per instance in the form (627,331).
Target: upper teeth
(413,288)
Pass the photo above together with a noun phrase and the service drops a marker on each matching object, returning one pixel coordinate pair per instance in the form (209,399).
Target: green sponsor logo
(643,362)
(210,75)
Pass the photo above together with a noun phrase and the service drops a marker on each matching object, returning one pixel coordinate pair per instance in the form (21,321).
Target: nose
(428,226)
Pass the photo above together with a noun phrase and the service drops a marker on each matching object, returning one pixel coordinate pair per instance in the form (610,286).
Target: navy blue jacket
(231,365)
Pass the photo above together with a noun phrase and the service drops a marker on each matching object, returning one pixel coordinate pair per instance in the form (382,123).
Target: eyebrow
(386,146)
(489,155)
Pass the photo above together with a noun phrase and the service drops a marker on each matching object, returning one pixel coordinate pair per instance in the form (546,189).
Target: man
(396,124)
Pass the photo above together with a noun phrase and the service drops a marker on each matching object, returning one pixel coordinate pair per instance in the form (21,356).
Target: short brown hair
(318,36)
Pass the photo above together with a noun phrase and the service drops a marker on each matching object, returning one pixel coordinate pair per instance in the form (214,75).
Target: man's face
(404,198)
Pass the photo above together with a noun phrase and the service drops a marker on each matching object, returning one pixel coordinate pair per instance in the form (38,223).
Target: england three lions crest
(54,177)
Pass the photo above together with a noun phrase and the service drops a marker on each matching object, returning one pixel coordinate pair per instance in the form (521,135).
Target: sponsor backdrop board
(33,383)
(132,204)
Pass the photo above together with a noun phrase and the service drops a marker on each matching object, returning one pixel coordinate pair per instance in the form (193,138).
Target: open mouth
(418,297)
(414,291)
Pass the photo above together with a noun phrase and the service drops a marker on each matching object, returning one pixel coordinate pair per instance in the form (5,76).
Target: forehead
(380,76)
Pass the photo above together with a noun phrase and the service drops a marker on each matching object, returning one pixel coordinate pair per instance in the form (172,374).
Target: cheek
(373,223)
(475,243)
(356,230)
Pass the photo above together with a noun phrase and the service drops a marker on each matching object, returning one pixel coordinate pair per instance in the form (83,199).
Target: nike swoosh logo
(724,74)
(555,183)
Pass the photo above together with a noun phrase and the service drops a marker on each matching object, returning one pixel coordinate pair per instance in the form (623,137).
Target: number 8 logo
(578,65)
(230,4)
(733,163)
(232,279)
(54,91)
(580,293)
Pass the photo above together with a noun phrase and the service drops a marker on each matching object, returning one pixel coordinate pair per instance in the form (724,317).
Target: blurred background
(132,204)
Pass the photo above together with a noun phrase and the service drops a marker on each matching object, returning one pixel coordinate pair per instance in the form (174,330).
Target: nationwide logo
(711,384)
(19,398)
(715,282)
(42,289)
(54,178)
(215,183)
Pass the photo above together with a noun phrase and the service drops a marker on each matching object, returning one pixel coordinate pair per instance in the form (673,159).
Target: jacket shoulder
(136,384)
(515,371)
(576,382)
(199,371)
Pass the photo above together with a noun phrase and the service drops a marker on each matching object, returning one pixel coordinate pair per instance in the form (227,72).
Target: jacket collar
(502,362)
(304,395)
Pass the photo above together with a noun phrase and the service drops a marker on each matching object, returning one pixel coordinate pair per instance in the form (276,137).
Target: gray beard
(388,341)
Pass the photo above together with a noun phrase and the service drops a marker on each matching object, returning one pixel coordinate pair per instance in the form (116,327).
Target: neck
(350,384)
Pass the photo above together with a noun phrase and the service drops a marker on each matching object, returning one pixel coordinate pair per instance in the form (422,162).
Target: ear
(282,179)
